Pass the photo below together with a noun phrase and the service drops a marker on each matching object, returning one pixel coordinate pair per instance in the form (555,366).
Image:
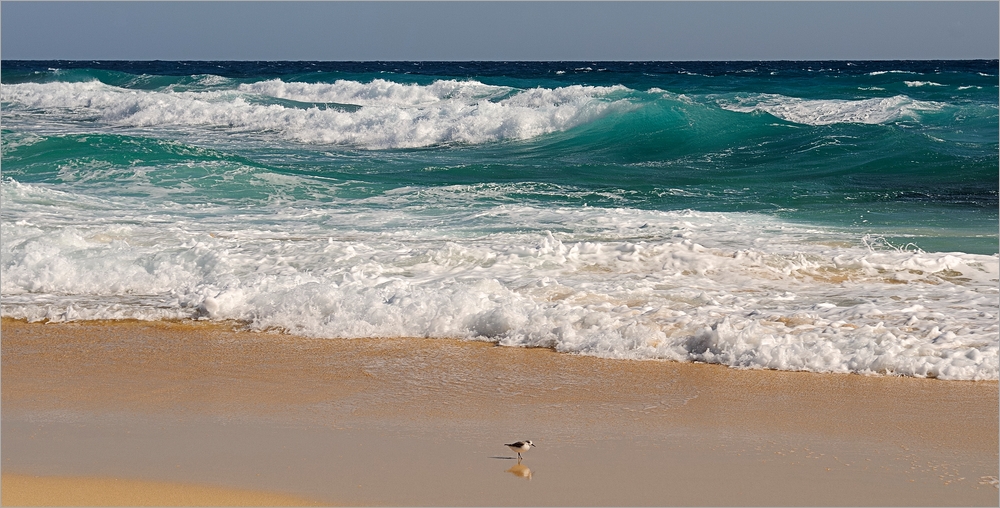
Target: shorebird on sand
(520,446)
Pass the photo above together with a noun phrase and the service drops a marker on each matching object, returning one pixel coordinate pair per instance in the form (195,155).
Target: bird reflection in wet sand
(520,470)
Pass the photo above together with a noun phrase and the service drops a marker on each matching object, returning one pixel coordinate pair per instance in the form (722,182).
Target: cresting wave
(382,114)
(730,288)
(391,115)
(831,111)
(380,92)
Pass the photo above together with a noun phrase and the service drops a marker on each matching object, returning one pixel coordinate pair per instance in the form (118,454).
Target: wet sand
(19,490)
(422,422)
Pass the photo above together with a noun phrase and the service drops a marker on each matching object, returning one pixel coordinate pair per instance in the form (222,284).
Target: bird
(520,446)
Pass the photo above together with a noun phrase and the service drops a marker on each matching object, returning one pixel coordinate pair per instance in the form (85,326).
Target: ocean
(817,216)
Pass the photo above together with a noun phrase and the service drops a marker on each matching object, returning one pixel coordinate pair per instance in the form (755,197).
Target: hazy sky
(499,30)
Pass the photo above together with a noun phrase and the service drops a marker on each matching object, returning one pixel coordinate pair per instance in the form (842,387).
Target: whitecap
(392,115)
(879,73)
(831,111)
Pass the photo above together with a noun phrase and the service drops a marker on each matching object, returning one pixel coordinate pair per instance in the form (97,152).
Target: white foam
(921,83)
(392,116)
(831,111)
(879,73)
(212,80)
(378,92)
(737,289)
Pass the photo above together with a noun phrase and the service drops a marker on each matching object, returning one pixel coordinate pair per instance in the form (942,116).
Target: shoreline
(237,327)
(341,414)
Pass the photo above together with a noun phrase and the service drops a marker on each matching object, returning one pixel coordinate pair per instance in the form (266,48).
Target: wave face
(821,216)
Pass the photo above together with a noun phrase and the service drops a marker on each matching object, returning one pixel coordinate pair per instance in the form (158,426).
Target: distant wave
(831,111)
(879,73)
(378,92)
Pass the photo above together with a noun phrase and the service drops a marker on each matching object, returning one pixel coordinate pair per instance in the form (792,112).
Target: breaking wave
(832,111)
(392,115)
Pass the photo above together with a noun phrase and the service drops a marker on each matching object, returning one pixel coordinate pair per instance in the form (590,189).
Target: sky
(462,30)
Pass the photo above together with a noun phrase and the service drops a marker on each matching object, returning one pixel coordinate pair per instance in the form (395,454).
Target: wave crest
(378,92)
(392,115)
(831,111)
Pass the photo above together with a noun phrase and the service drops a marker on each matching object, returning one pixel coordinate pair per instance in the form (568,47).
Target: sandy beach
(423,421)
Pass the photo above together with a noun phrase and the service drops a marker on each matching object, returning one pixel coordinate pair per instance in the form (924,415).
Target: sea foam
(378,92)
(831,111)
(736,289)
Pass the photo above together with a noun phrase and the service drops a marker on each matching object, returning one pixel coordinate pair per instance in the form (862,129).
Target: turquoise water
(619,209)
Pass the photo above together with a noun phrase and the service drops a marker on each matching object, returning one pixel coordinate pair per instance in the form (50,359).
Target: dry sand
(422,422)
